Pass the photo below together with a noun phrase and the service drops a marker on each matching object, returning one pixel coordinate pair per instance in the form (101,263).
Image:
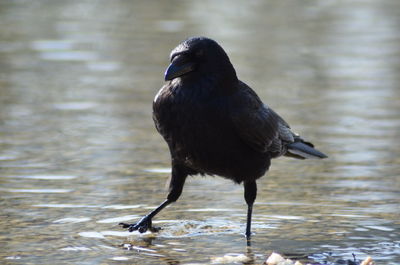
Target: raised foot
(142,226)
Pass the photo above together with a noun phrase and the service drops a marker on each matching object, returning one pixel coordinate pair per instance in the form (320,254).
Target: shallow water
(79,152)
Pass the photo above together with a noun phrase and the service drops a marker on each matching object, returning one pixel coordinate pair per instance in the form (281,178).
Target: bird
(215,124)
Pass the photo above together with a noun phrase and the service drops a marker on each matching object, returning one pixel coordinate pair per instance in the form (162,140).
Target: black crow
(215,124)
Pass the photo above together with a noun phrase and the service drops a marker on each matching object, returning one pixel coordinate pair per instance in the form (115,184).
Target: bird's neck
(208,86)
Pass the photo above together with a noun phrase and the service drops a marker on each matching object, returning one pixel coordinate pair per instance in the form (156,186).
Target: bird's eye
(181,56)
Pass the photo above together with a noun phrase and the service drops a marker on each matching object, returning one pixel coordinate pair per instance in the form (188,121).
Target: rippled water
(79,152)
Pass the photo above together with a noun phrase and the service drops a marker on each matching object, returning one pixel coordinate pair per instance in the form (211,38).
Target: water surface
(79,152)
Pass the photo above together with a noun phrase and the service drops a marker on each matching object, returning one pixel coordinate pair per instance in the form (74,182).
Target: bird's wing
(257,124)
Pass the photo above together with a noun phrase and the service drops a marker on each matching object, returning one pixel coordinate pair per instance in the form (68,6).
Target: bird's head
(199,56)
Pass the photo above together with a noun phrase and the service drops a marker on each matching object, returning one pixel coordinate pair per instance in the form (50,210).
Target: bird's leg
(250,193)
(175,189)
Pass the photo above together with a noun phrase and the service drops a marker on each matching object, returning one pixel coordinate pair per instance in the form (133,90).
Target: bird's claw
(142,226)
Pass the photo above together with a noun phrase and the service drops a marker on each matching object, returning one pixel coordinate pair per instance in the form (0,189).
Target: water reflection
(79,152)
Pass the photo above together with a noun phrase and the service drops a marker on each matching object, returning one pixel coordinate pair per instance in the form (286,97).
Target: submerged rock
(277,259)
(231,258)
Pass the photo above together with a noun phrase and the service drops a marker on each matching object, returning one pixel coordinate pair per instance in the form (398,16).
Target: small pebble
(368,261)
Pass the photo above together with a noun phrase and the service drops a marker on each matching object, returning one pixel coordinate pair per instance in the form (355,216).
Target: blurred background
(79,152)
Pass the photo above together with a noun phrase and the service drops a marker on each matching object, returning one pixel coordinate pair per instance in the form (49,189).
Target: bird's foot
(248,241)
(248,238)
(142,226)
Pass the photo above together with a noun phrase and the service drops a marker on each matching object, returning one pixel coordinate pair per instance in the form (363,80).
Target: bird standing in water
(215,124)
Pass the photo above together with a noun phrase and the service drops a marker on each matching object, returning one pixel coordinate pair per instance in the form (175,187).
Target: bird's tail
(301,149)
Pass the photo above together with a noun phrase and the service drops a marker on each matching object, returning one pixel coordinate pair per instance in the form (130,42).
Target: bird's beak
(175,70)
